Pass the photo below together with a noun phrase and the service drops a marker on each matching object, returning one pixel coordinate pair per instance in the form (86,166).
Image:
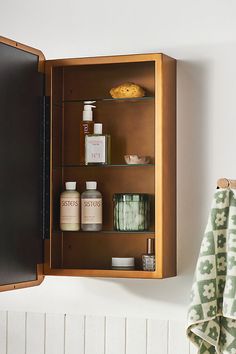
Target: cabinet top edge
(26,48)
(116,59)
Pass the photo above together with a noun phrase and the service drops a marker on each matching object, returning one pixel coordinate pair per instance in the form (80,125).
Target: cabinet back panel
(130,124)
(94,81)
(132,129)
(136,127)
(115,180)
(94,250)
(57,188)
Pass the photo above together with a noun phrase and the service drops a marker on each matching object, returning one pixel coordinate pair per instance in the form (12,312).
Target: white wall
(201,35)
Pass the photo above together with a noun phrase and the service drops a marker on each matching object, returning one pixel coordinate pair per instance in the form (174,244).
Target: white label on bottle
(91,211)
(95,149)
(69,210)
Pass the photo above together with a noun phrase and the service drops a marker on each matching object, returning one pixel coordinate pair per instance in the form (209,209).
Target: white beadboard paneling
(74,334)
(39,333)
(136,336)
(94,335)
(16,333)
(178,342)
(115,335)
(3,332)
(35,333)
(54,338)
(157,337)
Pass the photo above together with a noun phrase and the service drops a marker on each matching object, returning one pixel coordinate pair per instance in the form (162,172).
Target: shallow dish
(137,159)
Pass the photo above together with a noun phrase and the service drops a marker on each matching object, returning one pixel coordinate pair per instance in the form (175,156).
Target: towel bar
(226,183)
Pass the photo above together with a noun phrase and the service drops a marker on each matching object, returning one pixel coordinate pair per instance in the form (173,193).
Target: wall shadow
(192,121)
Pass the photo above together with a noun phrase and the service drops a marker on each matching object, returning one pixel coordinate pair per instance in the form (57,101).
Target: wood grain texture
(27,284)
(103,60)
(168,171)
(154,133)
(26,48)
(226,183)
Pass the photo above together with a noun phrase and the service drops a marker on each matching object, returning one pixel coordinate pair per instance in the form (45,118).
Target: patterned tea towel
(212,312)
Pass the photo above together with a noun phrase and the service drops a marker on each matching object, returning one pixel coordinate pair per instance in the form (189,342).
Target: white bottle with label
(97,147)
(70,208)
(91,208)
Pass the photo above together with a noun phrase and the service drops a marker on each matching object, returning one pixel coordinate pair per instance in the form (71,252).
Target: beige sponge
(127,90)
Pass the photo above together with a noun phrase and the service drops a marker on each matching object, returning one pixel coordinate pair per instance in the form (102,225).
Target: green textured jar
(131,212)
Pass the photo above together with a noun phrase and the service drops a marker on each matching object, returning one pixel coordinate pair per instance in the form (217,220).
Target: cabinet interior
(131,124)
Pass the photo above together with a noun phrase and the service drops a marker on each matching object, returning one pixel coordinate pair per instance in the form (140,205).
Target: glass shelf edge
(133,100)
(110,99)
(108,232)
(105,166)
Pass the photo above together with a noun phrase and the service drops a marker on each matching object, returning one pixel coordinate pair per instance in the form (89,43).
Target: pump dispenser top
(86,127)
(87,112)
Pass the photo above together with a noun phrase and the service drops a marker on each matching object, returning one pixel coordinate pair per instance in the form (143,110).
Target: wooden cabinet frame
(163,69)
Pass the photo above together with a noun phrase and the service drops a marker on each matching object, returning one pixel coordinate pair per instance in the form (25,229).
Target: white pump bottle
(86,127)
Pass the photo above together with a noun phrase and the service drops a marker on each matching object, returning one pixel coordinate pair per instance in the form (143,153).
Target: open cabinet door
(22,165)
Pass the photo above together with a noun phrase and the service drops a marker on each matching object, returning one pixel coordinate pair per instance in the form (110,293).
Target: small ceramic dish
(137,160)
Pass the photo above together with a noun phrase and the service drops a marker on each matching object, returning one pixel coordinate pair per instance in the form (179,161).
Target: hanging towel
(212,312)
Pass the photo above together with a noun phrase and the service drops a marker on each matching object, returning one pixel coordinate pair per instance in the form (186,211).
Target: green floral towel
(212,312)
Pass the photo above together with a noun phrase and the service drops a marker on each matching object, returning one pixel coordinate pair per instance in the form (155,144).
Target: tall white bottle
(70,208)
(91,208)
(86,127)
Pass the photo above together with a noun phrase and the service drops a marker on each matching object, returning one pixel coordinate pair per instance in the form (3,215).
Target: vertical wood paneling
(37,333)
(157,337)
(54,339)
(74,334)
(16,333)
(115,335)
(136,336)
(94,335)
(3,332)
(178,342)
(35,330)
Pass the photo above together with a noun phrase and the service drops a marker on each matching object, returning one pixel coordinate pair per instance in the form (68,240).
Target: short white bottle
(91,208)
(70,208)
(97,147)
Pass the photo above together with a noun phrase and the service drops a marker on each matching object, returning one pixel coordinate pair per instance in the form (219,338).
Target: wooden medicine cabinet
(42,104)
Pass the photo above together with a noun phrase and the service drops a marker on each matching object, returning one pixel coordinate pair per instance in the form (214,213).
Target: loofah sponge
(127,90)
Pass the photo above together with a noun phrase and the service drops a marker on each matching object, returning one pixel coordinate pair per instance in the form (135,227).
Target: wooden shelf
(102,273)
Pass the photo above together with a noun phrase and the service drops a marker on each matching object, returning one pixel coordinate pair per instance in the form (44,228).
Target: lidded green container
(131,212)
